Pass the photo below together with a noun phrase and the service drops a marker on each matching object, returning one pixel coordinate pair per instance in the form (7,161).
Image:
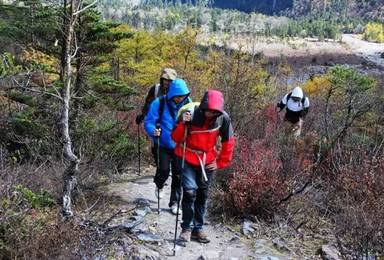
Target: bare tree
(73,8)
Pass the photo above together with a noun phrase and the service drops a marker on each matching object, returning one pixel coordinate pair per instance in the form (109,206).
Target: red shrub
(265,170)
(354,196)
(256,187)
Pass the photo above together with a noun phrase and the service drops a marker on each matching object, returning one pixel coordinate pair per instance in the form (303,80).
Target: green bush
(35,200)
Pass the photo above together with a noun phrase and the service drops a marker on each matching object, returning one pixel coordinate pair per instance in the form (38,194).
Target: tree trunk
(72,169)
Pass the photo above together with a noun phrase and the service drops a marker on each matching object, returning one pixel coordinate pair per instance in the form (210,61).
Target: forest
(73,77)
(320,20)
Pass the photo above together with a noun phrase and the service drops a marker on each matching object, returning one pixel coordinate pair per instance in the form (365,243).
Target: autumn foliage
(265,171)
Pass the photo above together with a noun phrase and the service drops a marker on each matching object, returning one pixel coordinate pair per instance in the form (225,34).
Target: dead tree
(72,10)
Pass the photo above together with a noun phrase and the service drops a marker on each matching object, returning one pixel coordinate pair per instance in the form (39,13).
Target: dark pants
(195,194)
(167,162)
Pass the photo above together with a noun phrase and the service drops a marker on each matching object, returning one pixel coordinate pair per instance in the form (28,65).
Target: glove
(139,119)
(187,117)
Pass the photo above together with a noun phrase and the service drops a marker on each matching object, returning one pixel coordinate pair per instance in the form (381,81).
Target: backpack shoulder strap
(161,109)
(289,96)
(157,89)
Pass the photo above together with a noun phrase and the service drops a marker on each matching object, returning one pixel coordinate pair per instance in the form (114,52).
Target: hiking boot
(174,209)
(159,193)
(185,235)
(200,237)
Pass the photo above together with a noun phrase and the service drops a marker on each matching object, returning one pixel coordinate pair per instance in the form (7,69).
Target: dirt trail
(225,243)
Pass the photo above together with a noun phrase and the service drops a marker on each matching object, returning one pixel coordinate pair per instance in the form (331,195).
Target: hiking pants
(167,161)
(195,194)
(294,128)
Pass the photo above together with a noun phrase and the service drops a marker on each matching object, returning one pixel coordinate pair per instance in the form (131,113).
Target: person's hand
(278,108)
(187,117)
(211,167)
(157,132)
(139,119)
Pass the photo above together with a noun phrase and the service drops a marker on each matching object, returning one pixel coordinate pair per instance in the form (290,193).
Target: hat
(169,74)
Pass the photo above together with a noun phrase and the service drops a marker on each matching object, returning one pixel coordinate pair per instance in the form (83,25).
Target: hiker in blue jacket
(158,124)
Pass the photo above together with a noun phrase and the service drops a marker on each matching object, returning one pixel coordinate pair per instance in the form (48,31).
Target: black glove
(139,119)
(280,105)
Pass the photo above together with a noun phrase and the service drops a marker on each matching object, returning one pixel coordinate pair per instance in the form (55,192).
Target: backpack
(302,99)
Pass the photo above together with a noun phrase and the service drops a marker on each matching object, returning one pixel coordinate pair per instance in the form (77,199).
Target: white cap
(297,92)
(169,74)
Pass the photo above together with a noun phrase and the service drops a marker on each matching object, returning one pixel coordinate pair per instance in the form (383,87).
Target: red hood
(214,100)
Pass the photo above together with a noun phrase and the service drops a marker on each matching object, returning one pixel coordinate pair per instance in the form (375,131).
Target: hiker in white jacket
(296,105)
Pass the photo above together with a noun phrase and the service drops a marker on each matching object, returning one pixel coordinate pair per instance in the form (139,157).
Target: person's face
(296,99)
(166,83)
(211,114)
(178,99)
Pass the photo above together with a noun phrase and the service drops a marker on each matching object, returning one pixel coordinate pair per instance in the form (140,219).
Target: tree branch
(34,90)
(85,8)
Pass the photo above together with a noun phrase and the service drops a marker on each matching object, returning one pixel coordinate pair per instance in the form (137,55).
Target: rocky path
(156,232)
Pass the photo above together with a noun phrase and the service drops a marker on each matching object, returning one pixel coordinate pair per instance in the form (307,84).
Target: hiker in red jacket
(200,129)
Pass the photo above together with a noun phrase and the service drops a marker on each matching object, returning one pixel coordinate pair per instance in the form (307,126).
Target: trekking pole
(181,182)
(158,167)
(138,144)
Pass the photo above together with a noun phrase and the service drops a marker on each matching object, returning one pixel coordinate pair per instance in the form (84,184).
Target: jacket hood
(297,92)
(178,87)
(213,100)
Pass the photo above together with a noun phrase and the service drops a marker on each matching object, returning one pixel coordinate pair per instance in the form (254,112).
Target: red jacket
(202,135)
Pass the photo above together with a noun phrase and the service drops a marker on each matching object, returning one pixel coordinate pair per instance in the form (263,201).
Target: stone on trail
(127,226)
(148,237)
(142,202)
(209,255)
(247,228)
(141,252)
(234,239)
(280,244)
(330,252)
(142,212)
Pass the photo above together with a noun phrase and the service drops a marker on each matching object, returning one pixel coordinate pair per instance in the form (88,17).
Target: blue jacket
(178,87)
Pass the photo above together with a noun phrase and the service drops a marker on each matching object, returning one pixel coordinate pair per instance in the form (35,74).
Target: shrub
(255,188)
(374,32)
(354,194)
(35,200)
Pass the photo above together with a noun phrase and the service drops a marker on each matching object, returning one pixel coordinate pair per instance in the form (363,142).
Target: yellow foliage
(38,57)
(123,28)
(144,55)
(49,63)
(317,85)
(374,32)
(139,60)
